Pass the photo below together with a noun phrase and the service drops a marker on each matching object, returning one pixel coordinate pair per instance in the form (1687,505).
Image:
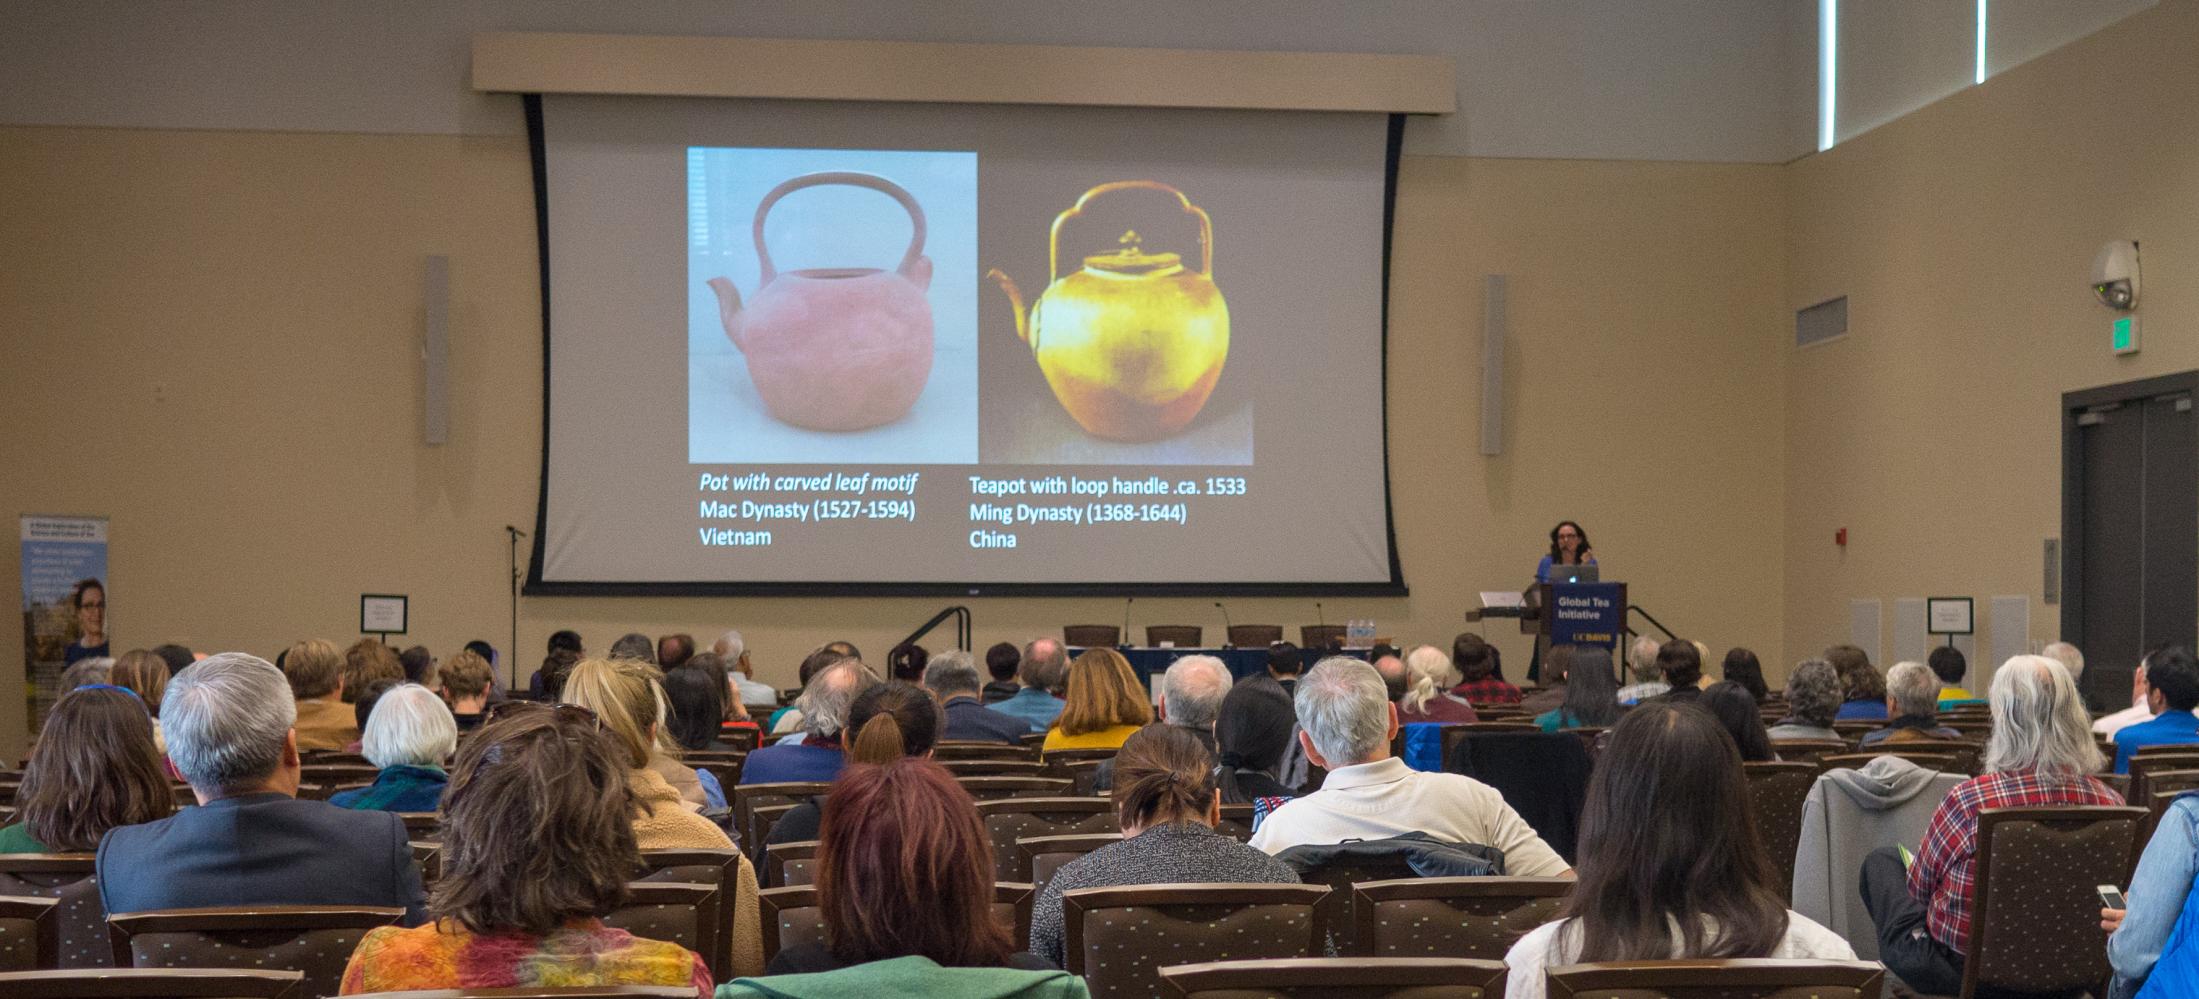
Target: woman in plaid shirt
(2040,753)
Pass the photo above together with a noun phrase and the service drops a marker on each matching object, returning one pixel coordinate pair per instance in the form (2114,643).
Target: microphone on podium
(1226,642)
(1318,617)
(1124,641)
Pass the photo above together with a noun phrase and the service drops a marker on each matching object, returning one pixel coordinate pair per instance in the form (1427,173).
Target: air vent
(1821,322)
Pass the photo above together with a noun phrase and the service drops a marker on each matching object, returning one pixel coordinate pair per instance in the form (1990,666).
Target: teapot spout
(1015,302)
(729,307)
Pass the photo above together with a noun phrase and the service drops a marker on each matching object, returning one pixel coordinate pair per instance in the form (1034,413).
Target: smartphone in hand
(2112,897)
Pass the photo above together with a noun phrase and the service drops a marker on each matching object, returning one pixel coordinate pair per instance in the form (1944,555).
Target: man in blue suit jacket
(952,678)
(251,841)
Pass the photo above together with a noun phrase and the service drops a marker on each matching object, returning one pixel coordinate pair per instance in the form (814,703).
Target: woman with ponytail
(888,721)
(1429,677)
(1166,803)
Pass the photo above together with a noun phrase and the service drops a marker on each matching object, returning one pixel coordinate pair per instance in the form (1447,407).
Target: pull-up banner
(64,601)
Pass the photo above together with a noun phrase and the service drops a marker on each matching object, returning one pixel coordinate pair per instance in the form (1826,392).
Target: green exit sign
(2126,334)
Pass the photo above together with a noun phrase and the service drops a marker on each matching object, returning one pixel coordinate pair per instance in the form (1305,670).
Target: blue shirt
(1542,569)
(1036,707)
(780,763)
(969,720)
(2159,893)
(1864,709)
(2166,728)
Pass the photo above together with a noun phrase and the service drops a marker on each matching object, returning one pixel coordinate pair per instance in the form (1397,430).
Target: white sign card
(381,614)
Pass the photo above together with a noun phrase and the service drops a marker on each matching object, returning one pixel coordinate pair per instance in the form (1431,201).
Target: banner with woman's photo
(64,602)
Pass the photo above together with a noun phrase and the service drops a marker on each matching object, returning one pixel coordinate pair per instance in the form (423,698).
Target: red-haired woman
(905,870)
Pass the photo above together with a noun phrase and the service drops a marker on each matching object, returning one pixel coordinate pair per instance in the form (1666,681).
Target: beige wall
(1963,235)
(213,339)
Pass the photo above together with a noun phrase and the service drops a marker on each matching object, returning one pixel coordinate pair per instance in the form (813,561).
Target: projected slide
(937,345)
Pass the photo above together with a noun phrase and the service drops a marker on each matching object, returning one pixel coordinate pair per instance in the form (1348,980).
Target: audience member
(789,719)
(1741,666)
(1428,698)
(1105,704)
(87,627)
(904,868)
(1191,699)
(951,676)
(1680,662)
(1641,665)
(628,700)
(1735,710)
(93,768)
(674,650)
(316,673)
(722,679)
(635,647)
(2154,949)
(1863,689)
(1551,689)
(1912,699)
(1251,732)
(905,662)
(1000,663)
(87,672)
(366,661)
(178,657)
(1346,726)
(746,690)
(1284,664)
(1390,666)
(410,735)
(466,679)
(1669,868)
(2039,754)
(1477,660)
(548,682)
(1166,804)
(251,841)
(419,666)
(363,707)
(1591,692)
(889,720)
(537,849)
(2172,682)
(1813,698)
(146,675)
(697,699)
(1044,673)
(2070,658)
(2140,709)
(824,706)
(1947,663)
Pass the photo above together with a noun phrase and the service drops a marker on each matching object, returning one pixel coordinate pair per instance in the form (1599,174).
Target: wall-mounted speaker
(1492,365)
(435,352)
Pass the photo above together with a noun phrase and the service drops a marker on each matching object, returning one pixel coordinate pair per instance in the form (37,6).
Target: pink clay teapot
(835,348)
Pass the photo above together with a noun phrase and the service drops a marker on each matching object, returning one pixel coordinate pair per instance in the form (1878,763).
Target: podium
(1567,614)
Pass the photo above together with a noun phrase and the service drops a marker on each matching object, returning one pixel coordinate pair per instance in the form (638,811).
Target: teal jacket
(910,976)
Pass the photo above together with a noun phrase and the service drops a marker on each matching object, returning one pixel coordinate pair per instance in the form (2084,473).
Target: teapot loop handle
(1206,225)
(850,178)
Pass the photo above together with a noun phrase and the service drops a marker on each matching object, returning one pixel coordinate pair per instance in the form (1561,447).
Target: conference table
(1152,661)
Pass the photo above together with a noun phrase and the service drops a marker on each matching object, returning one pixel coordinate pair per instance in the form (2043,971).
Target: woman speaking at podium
(1568,546)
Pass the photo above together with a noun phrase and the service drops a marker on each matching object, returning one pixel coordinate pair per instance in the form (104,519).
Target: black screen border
(536,586)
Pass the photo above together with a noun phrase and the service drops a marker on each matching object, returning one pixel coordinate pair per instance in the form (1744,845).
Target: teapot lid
(1132,260)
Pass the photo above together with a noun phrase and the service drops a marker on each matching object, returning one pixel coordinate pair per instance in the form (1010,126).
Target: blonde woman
(146,675)
(1105,704)
(626,700)
(1429,675)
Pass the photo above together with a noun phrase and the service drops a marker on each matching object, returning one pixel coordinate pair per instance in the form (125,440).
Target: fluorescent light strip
(1981,40)
(1828,57)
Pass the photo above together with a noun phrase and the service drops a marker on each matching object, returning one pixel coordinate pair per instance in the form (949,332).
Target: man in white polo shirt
(1346,722)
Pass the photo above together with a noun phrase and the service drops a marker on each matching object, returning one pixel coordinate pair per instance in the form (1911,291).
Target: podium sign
(1586,613)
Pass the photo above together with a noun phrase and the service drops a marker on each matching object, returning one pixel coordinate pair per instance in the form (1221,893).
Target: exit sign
(2126,334)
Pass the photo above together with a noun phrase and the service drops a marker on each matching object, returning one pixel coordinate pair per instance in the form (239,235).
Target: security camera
(2115,275)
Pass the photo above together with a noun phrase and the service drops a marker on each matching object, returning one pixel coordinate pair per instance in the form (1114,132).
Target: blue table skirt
(1152,662)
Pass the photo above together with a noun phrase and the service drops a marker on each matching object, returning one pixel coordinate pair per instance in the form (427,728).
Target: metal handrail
(962,629)
(1646,616)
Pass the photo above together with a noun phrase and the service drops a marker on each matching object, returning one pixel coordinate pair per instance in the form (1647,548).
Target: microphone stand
(511,653)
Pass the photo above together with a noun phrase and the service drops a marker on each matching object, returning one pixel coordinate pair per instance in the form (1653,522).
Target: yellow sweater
(666,823)
(1106,738)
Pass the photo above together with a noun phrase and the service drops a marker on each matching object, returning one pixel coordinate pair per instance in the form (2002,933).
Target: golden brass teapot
(1133,342)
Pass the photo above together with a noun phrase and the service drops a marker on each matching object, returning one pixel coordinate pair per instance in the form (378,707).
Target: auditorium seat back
(1120,938)
(995,788)
(792,863)
(1339,978)
(2144,765)
(718,868)
(1452,917)
(1748,978)
(2039,933)
(681,912)
(27,932)
(1777,792)
(1806,750)
(1011,819)
(315,940)
(791,916)
(993,767)
(951,752)
(1038,857)
(1236,823)
(746,797)
(79,925)
(155,983)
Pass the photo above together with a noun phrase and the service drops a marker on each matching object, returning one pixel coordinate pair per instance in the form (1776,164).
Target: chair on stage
(1091,636)
(1320,636)
(1182,636)
(1255,636)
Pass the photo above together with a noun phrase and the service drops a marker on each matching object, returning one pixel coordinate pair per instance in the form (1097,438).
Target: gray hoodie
(1848,814)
